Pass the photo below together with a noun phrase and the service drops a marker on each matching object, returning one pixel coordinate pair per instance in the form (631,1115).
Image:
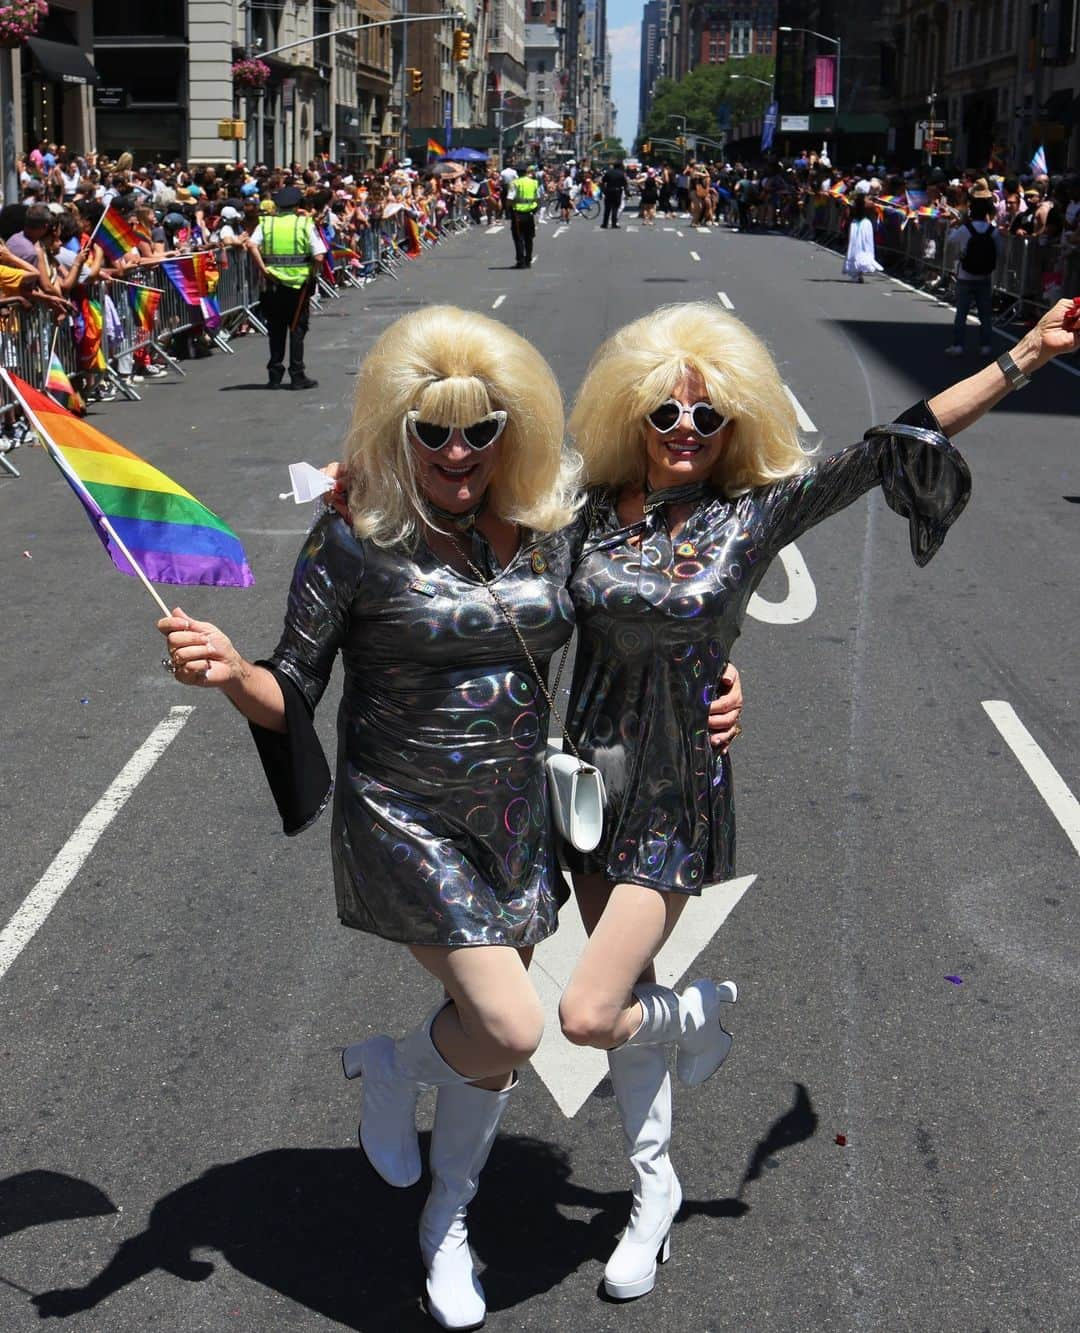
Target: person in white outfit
(860,258)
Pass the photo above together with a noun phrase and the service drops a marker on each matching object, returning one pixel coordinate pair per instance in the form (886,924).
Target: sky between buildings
(624,34)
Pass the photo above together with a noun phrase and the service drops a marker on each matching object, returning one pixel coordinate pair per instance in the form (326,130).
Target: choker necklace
(464,521)
(687,493)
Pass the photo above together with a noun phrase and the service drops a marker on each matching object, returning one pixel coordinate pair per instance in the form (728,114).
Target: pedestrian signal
(416,80)
(646,147)
(462,44)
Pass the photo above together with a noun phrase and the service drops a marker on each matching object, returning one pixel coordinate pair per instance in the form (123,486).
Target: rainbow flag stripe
(115,234)
(435,148)
(144,301)
(172,536)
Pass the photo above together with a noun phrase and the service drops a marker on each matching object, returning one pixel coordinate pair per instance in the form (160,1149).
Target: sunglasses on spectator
(705,418)
(478,436)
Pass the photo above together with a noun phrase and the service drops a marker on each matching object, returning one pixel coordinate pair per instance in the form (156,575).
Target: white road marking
(629,228)
(671,229)
(726,301)
(561,230)
(498,301)
(800,412)
(703,230)
(801,600)
(570,1073)
(695,256)
(1048,781)
(677,231)
(47,892)
(494,229)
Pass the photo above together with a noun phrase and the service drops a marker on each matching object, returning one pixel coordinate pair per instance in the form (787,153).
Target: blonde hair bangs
(637,369)
(453,367)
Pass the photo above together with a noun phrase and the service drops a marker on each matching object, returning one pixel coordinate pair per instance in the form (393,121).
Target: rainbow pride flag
(144,301)
(188,275)
(173,537)
(115,234)
(435,148)
(58,384)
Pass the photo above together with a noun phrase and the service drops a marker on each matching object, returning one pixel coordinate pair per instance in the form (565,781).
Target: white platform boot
(466,1119)
(392,1074)
(639,1075)
(642,1084)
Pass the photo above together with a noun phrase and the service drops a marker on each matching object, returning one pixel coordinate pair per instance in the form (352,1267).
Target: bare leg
(495,1021)
(627,925)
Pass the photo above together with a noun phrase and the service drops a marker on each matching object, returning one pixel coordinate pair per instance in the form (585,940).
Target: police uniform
(289,244)
(524,201)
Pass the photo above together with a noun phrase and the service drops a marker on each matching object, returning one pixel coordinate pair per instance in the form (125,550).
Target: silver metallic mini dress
(657,616)
(441,831)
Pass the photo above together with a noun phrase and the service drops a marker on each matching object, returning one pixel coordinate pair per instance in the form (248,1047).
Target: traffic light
(680,139)
(646,147)
(416,80)
(568,125)
(462,44)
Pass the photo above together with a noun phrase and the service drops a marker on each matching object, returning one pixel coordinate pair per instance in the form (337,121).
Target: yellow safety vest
(526,194)
(286,248)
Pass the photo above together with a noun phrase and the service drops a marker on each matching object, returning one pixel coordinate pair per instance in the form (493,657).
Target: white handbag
(575,788)
(577,798)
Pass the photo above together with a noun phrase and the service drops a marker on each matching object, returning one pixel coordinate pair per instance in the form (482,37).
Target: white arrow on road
(570,1073)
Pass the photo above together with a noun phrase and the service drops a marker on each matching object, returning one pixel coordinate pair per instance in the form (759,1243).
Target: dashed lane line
(498,301)
(803,418)
(1048,781)
(47,892)
(695,256)
(725,300)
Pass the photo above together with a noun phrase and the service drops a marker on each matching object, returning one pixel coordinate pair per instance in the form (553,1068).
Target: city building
(997,79)
(53,80)
(649,68)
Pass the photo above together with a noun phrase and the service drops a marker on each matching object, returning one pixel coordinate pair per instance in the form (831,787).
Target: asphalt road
(177,1146)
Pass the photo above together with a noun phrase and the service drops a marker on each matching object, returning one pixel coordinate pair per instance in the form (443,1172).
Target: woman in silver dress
(689,443)
(441,835)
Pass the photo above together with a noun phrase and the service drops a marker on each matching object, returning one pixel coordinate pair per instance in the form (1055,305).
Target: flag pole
(76,482)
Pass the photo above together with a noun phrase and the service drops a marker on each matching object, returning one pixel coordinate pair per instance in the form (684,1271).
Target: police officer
(524,199)
(286,246)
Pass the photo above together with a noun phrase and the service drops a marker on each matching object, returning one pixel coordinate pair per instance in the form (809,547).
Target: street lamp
(836,92)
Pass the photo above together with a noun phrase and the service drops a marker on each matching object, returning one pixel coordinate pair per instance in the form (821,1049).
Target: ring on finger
(168,664)
(736,731)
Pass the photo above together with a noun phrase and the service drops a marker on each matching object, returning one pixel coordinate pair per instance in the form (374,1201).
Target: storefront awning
(62,61)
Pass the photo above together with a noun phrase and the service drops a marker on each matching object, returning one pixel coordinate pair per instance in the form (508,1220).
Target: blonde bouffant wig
(453,367)
(637,369)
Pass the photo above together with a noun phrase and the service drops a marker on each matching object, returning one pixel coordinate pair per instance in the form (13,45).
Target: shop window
(139,18)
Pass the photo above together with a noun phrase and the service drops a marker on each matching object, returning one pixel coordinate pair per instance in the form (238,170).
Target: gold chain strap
(508,616)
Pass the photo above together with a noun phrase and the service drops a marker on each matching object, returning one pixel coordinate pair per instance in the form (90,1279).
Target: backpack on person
(980,253)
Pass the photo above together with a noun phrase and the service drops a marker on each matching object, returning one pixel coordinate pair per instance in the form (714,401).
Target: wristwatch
(1012,372)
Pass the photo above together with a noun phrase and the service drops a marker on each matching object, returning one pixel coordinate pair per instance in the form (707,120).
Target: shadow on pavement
(916,350)
(319,1227)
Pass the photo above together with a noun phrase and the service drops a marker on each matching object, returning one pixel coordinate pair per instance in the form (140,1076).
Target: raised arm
(963,403)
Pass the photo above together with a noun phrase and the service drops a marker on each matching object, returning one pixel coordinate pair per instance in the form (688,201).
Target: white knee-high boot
(466,1119)
(639,1075)
(642,1084)
(393,1072)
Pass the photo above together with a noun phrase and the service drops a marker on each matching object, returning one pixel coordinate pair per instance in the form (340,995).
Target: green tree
(699,95)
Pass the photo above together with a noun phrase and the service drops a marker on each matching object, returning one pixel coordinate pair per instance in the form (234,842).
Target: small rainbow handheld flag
(435,148)
(188,275)
(115,234)
(58,384)
(144,301)
(136,510)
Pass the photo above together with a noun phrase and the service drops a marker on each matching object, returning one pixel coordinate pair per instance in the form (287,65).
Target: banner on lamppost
(824,82)
(768,127)
(448,119)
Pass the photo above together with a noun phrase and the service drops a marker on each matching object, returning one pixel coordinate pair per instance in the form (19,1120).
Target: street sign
(794,123)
